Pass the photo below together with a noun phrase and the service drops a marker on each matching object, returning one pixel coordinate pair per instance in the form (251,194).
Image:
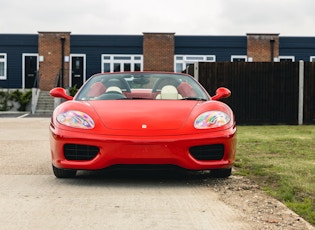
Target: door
(30,71)
(77,71)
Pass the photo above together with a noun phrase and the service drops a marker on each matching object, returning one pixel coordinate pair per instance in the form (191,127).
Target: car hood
(139,114)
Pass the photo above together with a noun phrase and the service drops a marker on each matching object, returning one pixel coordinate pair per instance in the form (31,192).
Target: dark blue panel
(299,47)
(14,45)
(117,41)
(297,42)
(18,40)
(93,46)
(223,47)
(210,41)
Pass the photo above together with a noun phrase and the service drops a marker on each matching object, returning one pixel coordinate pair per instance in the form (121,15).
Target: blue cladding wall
(93,46)
(223,47)
(14,46)
(299,47)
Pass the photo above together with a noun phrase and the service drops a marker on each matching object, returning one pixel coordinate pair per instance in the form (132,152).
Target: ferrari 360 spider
(142,118)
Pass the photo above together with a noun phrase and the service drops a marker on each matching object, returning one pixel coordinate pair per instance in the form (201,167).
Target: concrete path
(32,198)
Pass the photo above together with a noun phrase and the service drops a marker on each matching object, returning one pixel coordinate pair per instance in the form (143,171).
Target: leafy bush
(23,98)
(73,90)
(4,97)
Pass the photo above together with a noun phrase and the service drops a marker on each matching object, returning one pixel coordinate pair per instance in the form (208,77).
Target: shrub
(23,98)
(4,99)
(73,90)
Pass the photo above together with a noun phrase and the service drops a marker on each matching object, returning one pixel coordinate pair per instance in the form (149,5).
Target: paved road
(32,198)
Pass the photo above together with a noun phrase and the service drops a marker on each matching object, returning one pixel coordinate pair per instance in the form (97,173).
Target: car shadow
(144,177)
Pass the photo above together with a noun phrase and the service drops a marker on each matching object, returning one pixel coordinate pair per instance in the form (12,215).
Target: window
(238,58)
(312,59)
(182,61)
(286,58)
(121,63)
(3,66)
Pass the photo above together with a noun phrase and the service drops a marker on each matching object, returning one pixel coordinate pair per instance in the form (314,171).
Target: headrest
(169,92)
(114,89)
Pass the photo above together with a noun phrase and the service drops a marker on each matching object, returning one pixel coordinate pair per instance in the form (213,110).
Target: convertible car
(142,118)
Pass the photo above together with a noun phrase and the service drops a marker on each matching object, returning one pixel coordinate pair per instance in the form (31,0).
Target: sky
(182,17)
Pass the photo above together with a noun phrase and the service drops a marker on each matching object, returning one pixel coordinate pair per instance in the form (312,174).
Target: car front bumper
(161,150)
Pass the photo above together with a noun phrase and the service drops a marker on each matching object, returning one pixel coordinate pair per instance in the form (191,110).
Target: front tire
(221,173)
(64,173)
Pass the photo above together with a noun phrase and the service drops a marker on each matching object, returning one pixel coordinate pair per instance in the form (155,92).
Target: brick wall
(50,48)
(158,51)
(259,47)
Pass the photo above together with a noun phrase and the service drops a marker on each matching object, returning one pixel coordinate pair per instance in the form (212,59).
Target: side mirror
(221,93)
(60,92)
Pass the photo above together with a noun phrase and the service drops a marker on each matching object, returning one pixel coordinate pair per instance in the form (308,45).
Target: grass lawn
(281,159)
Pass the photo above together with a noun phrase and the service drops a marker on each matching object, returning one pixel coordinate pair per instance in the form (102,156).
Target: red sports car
(142,118)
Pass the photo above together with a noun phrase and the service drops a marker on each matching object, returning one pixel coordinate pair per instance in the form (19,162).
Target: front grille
(207,152)
(80,152)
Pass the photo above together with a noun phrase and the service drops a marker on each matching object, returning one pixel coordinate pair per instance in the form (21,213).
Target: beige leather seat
(113,89)
(169,92)
(112,93)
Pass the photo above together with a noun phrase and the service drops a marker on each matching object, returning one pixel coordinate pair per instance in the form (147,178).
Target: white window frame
(3,60)
(238,57)
(312,58)
(133,59)
(286,57)
(185,60)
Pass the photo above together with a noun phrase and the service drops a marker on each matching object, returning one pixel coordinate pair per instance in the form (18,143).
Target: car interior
(139,87)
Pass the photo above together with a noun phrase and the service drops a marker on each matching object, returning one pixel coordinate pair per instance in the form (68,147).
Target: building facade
(48,59)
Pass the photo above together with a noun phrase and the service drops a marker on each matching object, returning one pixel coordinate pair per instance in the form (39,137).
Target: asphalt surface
(32,198)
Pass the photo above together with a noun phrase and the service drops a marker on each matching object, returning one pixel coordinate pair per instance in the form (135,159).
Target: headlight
(211,119)
(76,119)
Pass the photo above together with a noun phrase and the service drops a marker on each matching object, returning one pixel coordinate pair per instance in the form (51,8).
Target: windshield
(151,86)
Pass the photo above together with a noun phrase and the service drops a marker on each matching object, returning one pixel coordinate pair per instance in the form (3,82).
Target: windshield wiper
(194,98)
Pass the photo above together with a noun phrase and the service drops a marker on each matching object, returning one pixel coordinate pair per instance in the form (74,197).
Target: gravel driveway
(32,198)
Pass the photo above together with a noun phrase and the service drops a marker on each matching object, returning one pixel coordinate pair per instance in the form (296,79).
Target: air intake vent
(80,152)
(207,152)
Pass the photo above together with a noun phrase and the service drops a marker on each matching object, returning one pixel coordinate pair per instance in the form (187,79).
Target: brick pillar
(262,47)
(50,53)
(158,51)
